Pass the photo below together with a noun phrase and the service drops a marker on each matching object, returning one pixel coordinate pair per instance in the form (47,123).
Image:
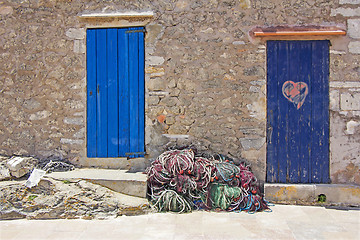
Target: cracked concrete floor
(284,222)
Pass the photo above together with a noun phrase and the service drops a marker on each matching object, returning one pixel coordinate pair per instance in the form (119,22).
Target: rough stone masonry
(205,77)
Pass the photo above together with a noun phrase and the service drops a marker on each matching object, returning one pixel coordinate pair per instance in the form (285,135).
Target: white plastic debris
(34,178)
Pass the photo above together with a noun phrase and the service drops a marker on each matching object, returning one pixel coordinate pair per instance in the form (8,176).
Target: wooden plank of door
(124,105)
(134,90)
(102,119)
(141,77)
(305,112)
(319,116)
(112,93)
(325,177)
(272,113)
(283,119)
(91,92)
(293,113)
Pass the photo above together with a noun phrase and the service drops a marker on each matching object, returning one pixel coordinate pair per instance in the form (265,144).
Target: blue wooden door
(115,92)
(297,111)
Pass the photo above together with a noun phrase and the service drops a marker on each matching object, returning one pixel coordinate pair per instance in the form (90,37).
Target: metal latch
(269,134)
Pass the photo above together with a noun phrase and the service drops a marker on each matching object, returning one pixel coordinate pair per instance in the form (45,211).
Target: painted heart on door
(295,92)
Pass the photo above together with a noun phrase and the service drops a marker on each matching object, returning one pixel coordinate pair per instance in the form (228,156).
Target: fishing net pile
(180,181)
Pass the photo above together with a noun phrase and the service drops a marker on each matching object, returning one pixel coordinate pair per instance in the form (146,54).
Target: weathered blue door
(115,92)
(298,111)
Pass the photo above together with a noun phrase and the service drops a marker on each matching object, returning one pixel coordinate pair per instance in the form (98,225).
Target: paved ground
(285,222)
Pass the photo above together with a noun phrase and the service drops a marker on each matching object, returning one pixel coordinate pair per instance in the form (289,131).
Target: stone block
(339,84)
(354,47)
(74,121)
(238,43)
(254,71)
(19,166)
(155,60)
(31,104)
(351,126)
(349,1)
(350,101)
(153,32)
(354,28)
(80,133)
(4,172)
(76,33)
(288,193)
(346,12)
(336,52)
(177,129)
(79,46)
(176,136)
(156,84)
(334,100)
(153,100)
(339,194)
(155,72)
(6,10)
(71,141)
(170,120)
(133,184)
(248,143)
(228,77)
(336,194)
(39,115)
(11,214)
(170,101)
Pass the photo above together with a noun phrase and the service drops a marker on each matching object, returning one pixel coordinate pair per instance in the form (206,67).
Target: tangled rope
(179,181)
(56,166)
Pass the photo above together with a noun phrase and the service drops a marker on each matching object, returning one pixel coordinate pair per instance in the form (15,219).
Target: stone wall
(345,98)
(205,77)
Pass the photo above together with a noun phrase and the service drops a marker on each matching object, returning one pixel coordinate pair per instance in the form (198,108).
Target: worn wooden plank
(112,93)
(134,90)
(324,140)
(141,77)
(283,118)
(272,113)
(317,113)
(91,92)
(293,140)
(326,133)
(305,112)
(124,106)
(102,120)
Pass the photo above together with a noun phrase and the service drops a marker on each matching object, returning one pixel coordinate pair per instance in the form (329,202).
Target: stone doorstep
(307,194)
(135,164)
(133,184)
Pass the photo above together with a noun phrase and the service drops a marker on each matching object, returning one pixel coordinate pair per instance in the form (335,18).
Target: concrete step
(308,194)
(133,184)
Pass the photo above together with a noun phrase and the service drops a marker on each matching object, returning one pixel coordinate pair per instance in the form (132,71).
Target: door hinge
(135,153)
(135,31)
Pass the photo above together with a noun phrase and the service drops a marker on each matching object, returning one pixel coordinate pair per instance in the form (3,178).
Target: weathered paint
(295,92)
